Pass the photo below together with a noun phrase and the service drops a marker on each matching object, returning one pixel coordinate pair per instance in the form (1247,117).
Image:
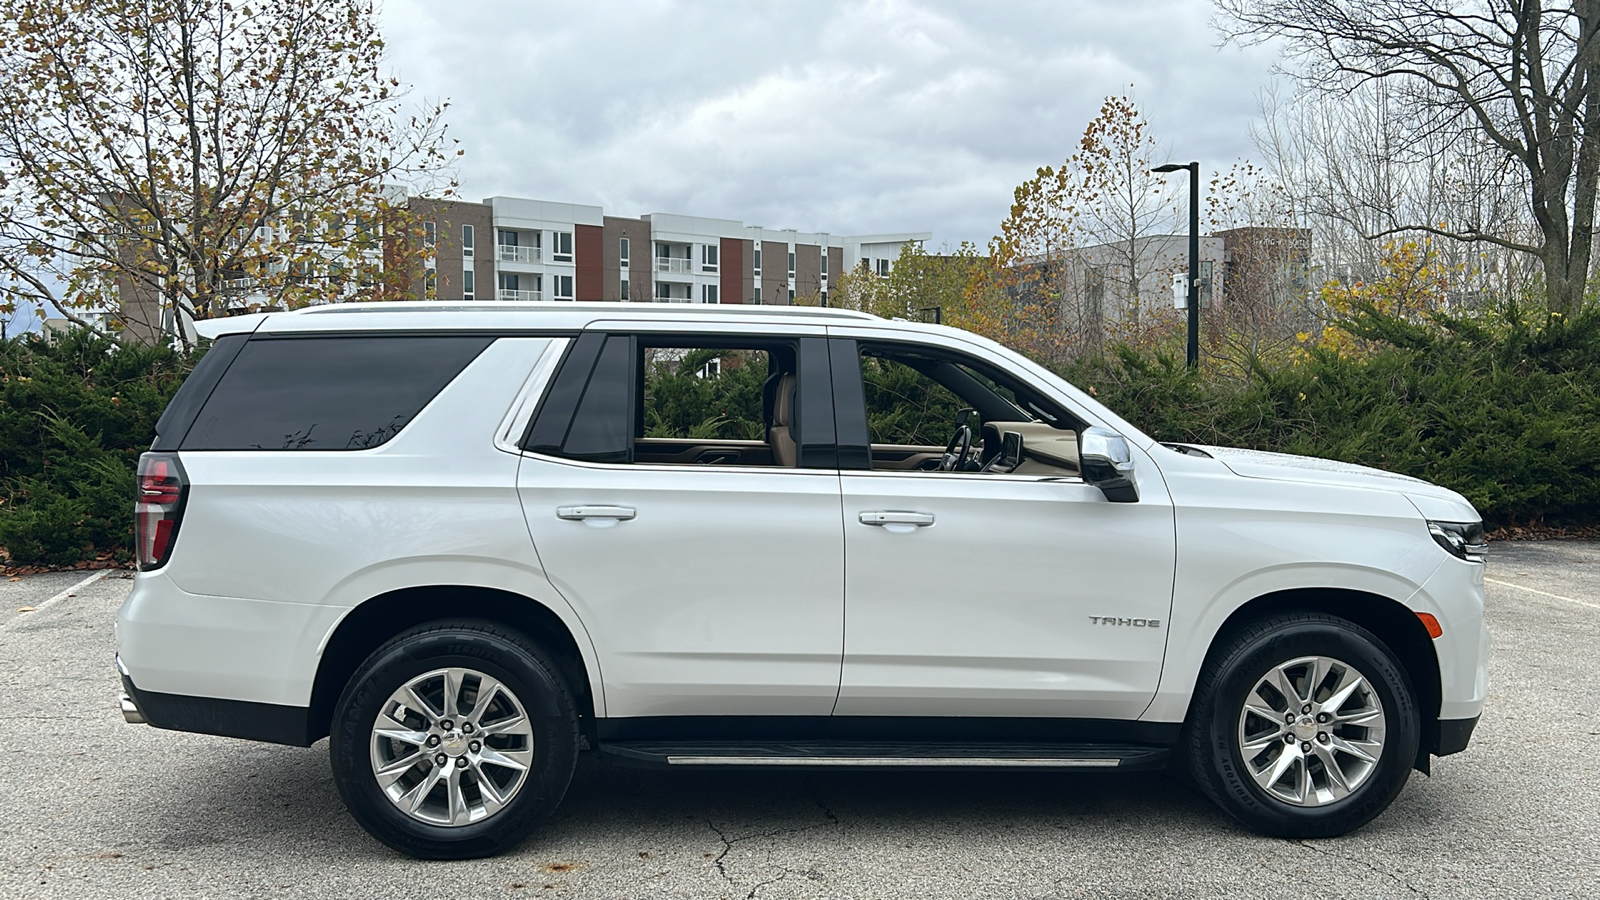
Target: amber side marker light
(1430,623)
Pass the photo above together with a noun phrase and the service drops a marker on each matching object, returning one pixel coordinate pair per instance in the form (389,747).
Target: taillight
(163,487)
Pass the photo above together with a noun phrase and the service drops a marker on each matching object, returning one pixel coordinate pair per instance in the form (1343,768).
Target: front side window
(469,285)
(708,258)
(430,234)
(622,252)
(468,237)
(708,293)
(562,285)
(791,263)
(917,400)
(758,260)
(561,246)
(624,291)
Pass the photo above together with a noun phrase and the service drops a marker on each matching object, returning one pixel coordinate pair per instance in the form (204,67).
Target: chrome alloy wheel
(452,747)
(1311,731)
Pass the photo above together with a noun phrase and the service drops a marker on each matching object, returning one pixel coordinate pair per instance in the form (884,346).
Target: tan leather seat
(780,432)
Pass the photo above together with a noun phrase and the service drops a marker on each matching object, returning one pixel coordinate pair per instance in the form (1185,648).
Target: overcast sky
(850,118)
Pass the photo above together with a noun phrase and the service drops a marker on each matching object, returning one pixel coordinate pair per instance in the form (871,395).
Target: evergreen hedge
(1504,408)
(75,413)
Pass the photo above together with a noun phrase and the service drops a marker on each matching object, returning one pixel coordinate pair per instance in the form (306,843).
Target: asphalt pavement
(92,807)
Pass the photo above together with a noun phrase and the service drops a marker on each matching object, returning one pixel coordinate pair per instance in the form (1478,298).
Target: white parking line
(1530,590)
(60,597)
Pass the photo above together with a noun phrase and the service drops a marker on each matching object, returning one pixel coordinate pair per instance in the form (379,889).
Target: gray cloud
(885,115)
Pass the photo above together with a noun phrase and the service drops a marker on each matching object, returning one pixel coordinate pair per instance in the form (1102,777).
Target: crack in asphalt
(783,870)
(1364,864)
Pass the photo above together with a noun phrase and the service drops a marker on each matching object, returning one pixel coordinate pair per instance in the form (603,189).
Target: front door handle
(596,512)
(895,517)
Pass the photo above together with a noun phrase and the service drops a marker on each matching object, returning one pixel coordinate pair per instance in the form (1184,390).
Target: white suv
(467,541)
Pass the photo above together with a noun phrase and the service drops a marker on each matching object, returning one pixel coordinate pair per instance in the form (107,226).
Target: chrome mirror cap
(1106,462)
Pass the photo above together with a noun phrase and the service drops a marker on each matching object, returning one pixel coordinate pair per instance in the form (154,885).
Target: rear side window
(327,393)
(192,394)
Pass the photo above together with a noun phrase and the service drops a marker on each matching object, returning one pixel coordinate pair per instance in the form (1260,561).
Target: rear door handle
(579,513)
(896,517)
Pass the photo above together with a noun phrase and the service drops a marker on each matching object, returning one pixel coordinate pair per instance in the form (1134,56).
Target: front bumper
(1454,734)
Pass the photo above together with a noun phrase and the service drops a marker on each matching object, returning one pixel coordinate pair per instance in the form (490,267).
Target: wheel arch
(367,626)
(1389,620)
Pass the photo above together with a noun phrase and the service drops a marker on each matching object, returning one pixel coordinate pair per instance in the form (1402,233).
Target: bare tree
(1523,74)
(1346,167)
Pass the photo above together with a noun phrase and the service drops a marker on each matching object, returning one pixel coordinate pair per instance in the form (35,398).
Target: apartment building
(513,248)
(509,248)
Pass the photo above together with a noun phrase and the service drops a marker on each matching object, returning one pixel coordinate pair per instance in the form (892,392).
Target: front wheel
(1304,726)
(454,740)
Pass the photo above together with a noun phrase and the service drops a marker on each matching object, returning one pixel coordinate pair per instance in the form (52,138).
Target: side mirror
(1106,463)
(1010,450)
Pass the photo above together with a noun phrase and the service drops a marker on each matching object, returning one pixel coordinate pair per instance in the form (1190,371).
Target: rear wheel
(1304,725)
(454,740)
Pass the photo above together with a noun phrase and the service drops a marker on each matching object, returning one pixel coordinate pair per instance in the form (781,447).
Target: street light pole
(1192,353)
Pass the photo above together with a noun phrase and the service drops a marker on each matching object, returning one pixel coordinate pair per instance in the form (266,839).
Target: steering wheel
(955,452)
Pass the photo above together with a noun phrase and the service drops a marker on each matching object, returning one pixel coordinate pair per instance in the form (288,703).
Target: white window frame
(624,251)
(710,260)
(561,287)
(469,238)
(758,260)
(791,263)
(469,284)
(561,246)
(709,293)
(430,234)
(623,293)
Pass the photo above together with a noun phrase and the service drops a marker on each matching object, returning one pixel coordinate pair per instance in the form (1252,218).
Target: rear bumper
(243,719)
(1454,734)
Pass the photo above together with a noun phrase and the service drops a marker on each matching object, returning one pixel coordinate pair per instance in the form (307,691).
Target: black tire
(523,668)
(1212,738)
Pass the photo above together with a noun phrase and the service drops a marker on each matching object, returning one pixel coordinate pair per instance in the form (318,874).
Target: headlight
(1463,540)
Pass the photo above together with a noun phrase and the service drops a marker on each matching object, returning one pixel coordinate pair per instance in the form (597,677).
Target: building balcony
(671,265)
(507,294)
(513,254)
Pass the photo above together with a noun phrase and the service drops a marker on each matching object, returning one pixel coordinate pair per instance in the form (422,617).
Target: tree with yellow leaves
(191,153)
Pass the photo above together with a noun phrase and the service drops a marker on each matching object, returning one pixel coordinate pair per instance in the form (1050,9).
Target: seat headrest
(783,400)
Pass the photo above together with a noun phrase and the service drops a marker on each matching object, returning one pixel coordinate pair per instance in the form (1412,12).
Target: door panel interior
(691,451)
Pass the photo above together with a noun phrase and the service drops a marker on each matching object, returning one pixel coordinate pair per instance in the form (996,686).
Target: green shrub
(75,413)
(1504,408)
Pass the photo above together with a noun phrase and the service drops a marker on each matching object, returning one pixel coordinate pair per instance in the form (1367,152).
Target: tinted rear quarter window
(327,393)
(186,403)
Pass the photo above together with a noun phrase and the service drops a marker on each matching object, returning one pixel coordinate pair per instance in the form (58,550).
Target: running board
(886,755)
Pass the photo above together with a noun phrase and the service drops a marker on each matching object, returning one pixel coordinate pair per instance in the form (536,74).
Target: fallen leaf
(26,608)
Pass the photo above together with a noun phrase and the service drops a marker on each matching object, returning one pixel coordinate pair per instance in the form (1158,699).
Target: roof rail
(707,309)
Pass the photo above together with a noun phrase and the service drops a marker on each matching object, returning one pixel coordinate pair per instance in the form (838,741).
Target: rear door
(711,579)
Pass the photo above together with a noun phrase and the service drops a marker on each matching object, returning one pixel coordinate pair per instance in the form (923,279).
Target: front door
(986,594)
(710,584)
